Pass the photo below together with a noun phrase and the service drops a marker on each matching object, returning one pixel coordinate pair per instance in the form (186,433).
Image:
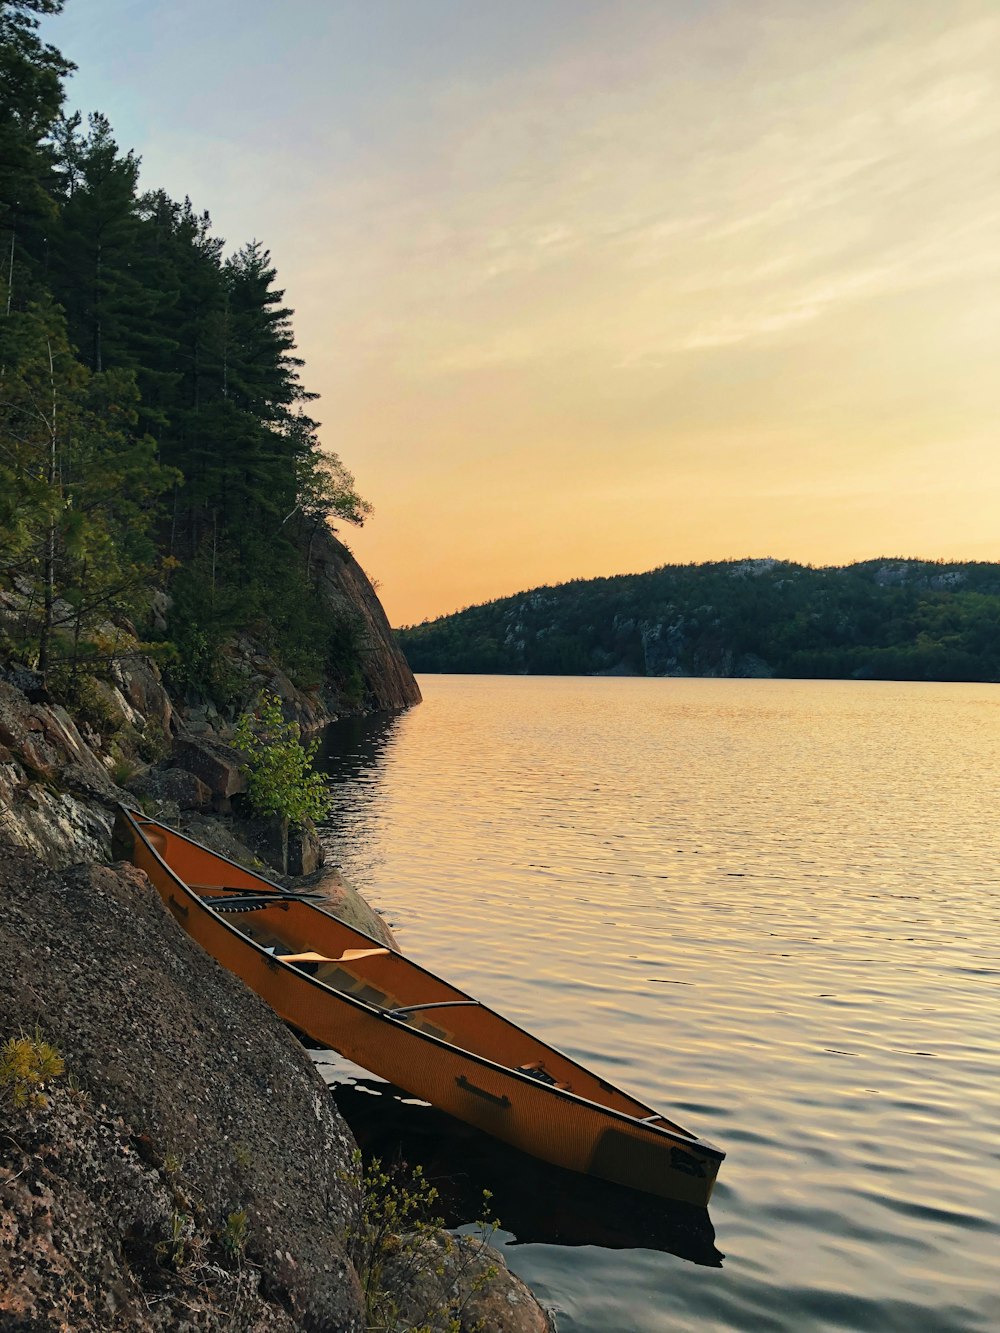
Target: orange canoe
(346,990)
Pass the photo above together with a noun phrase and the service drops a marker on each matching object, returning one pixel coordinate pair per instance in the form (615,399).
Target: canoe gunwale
(399,1017)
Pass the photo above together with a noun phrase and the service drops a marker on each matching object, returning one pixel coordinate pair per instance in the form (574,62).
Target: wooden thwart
(348,956)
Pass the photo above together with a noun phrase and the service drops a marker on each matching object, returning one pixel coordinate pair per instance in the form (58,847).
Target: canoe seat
(212,894)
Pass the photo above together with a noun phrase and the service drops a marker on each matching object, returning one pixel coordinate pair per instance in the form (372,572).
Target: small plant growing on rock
(410,1268)
(26,1065)
(233,1236)
(174,1250)
(279,769)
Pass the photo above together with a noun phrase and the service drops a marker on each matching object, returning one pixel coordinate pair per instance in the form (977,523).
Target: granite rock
(196,1066)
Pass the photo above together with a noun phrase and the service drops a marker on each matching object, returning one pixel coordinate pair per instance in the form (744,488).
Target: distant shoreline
(902,620)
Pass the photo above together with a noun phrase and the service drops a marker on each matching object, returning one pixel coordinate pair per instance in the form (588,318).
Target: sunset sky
(589,287)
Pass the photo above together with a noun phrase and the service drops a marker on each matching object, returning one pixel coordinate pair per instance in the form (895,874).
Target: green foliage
(152,416)
(79,485)
(233,1236)
(174,1251)
(27,1064)
(280,777)
(395,1239)
(880,619)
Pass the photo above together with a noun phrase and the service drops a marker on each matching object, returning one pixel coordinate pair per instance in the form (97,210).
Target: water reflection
(803,883)
(540,1204)
(352,749)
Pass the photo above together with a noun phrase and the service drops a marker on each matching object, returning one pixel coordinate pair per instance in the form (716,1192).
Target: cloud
(692,247)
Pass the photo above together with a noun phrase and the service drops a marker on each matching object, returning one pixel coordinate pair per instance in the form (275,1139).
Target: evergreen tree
(134,361)
(31,95)
(79,484)
(96,249)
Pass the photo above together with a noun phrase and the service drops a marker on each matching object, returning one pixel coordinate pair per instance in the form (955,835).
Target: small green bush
(233,1236)
(281,779)
(175,1250)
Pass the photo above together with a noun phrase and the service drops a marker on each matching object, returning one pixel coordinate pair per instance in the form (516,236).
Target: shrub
(280,777)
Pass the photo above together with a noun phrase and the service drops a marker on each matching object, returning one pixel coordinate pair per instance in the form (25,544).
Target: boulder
(220,836)
(58,827)
(305,851)
(345,902)
(285,848)
(116,710)
(461,1282)
(196,1073)
(30,683)
(140,682)
(172,784)
(159,609)
(220,767)
(45,739)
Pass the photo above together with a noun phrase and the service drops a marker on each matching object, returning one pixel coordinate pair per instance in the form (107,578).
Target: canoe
(347,991)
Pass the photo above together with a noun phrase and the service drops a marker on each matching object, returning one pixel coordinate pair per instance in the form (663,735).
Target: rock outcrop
(388,680)
(464,1278)
(199,1078)
(96,1234)
(56,797)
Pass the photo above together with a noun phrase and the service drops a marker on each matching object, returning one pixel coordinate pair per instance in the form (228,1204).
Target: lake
(770,909)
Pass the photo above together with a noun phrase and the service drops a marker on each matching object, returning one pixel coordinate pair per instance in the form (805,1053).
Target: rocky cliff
(69,753)
(388,679)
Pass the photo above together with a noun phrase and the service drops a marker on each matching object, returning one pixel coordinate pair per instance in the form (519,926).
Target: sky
(592,286)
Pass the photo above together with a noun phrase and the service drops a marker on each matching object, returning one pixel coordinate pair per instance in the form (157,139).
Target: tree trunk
(49,562)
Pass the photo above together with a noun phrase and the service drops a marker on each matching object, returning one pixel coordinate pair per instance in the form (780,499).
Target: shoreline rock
(199,1070)
(190,1104)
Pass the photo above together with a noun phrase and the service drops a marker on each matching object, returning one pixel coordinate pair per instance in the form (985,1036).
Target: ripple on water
(767,906)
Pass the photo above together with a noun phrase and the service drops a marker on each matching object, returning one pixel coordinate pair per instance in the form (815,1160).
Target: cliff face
(388,680)
(56,796)
(62,771)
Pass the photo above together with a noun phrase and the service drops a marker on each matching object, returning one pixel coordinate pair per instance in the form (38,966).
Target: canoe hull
(541,1120)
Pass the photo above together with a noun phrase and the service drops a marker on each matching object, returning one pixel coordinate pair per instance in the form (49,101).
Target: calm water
(770,907)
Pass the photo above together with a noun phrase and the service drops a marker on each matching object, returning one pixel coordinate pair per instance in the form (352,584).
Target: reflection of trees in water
(352,754)
(350,747)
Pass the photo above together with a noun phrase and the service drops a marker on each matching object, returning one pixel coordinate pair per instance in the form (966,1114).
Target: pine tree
(79,485)
(31,95)
(96,248)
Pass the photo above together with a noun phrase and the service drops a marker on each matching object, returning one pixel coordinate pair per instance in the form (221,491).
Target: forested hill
(881,619)
(155,433)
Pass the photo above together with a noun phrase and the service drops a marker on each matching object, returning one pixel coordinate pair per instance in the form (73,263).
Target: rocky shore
(189,1169)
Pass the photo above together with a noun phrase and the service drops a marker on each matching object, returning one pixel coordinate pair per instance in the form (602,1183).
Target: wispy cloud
(694,269)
